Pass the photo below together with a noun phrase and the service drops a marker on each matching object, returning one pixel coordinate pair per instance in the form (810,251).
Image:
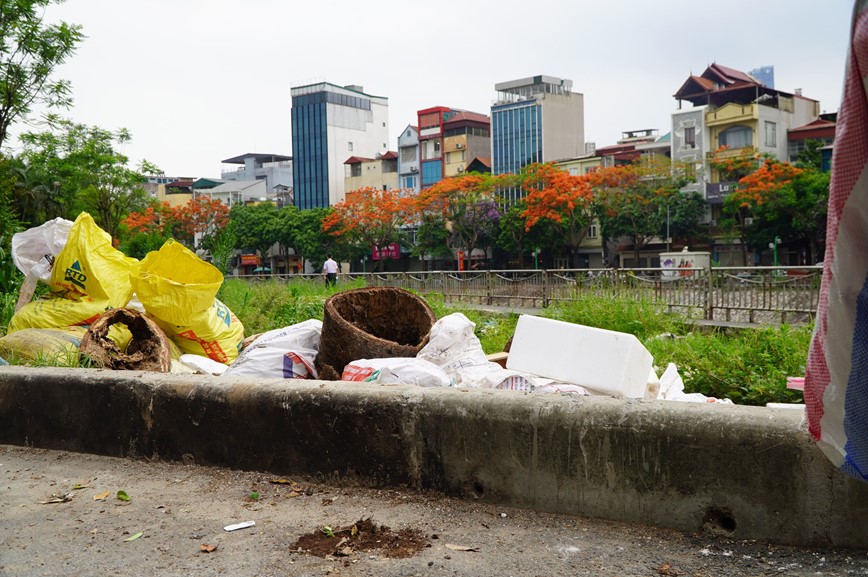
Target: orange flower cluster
(760,185)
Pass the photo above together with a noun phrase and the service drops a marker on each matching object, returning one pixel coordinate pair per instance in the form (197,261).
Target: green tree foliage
(9,225)
(30,52)
(81,167)
(432,238)
(685,211)
(255,226)
(222,247)
(311,242)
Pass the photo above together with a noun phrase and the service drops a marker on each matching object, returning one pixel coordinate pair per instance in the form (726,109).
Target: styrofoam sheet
(604,360)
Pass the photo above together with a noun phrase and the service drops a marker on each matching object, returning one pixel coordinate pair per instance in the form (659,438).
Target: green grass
(747,366)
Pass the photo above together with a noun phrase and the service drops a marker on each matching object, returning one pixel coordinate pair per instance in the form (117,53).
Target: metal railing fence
(730,294)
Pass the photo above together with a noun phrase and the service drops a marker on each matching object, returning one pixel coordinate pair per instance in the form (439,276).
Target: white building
(329,125)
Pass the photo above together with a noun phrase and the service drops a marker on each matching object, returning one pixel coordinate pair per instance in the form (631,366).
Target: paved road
(180,507)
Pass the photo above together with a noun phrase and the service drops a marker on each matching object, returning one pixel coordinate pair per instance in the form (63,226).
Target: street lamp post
(668,238)
(774,246)
(535,254)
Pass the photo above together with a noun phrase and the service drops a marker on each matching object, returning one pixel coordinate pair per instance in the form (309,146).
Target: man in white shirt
(330,271)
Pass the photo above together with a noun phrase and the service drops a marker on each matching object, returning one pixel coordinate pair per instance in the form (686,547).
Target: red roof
(817,129)
(465,115)
(357,160)
(389,155)
(730,74)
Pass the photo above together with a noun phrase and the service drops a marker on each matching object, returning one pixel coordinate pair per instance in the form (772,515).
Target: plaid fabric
(836,380)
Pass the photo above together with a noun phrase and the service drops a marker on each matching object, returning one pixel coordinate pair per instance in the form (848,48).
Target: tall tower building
(765,75)
(536,119)
(330,124)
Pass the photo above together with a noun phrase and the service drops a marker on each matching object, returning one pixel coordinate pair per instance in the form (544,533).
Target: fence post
(489,287)
(545,299)
(709,295)
(443,285)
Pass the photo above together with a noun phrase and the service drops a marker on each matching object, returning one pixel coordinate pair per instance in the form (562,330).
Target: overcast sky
(199,81)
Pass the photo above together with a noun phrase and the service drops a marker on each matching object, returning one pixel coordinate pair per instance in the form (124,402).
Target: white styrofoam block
(607,361)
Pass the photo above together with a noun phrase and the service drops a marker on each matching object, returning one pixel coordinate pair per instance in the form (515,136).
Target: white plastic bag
(287,353)
(33,252)
(34,244)
(397,371)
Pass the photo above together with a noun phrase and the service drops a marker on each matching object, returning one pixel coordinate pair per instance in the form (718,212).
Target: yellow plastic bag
(178,291)
(214,333)
(57,346)
(54,312)
(175,285)
(90,269)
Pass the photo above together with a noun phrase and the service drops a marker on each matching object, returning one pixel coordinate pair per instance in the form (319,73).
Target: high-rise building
(536,119)
(329,125)
(765,75)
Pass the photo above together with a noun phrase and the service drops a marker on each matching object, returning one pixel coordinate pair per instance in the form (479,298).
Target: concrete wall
(745,472)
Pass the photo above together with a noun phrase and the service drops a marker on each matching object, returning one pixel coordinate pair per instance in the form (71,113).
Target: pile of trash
(169,298)
(162,314)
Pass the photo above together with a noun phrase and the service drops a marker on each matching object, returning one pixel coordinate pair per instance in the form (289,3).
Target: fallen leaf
(101,496)
(57,498)
(344,552)
(329,500)
(461,547)
(78,486)
(207,548)
(122,495)
(134,537)
(281,481)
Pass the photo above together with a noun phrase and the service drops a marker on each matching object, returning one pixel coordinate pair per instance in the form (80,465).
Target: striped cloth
(836,380)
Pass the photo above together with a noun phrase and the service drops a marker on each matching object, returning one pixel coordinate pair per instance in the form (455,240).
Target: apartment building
(535,119)
(733,115)
(331,123)
(274,169)
(408,158)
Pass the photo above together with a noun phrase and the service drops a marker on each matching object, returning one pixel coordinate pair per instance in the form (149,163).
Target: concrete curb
(744,472)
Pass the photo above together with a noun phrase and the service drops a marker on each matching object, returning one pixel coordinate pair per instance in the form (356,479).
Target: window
(356,169)
(690,137)
(771,134)
(350,146)
(408,154)
(736,137)
(593,231)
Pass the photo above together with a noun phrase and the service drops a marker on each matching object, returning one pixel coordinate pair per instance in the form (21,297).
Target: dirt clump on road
(363,536)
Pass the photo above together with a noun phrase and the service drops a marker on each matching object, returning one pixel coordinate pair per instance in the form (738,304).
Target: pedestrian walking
(330,271)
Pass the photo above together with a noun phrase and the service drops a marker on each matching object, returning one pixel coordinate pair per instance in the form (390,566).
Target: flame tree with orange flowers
(200,219)
(563,201)
(370,217)
(632,199)
(785,201)
(467,206)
